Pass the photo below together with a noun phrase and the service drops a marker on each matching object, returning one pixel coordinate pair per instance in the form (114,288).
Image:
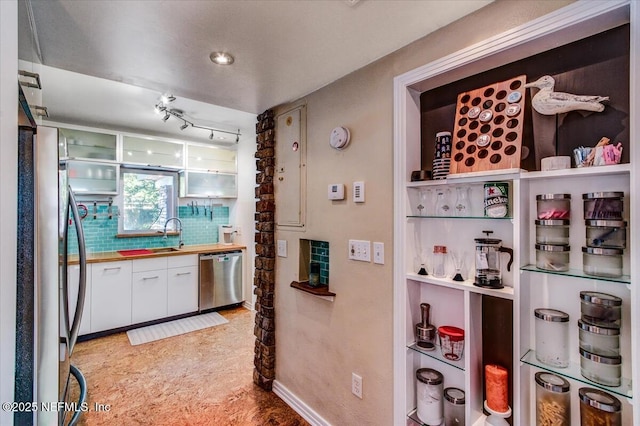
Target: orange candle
(496,387)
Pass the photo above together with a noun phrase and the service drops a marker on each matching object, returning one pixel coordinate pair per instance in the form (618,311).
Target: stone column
(265,275)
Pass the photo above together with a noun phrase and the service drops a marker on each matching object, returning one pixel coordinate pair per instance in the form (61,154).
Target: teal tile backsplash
(320,254)
(100,233)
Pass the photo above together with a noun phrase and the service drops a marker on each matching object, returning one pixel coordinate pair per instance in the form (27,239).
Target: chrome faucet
(180,243)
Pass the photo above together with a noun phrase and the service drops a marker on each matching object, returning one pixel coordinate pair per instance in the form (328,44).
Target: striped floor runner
(174,328)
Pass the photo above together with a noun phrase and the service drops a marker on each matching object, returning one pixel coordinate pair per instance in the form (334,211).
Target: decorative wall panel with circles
(488,127)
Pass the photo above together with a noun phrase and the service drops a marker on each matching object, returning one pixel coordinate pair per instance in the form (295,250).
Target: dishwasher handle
(216,255)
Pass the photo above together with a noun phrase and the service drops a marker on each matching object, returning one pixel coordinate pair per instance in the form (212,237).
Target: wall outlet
(356,385)
(238,230)
(360,250)
(282,248)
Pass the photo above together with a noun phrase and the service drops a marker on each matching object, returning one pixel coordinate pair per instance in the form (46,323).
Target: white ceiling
(284,49)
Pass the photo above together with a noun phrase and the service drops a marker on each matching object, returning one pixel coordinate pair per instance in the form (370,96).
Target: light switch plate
(360,250)
(358,192)
(378,253)
(282,248)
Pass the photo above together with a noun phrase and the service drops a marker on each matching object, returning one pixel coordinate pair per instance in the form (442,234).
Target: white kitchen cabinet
(149,295)
(110,295)
(73,272)
(211,158)
(91,177)
(182,275)
(527,288)
(154,152)
(76,143)
(149,289)
(208,185)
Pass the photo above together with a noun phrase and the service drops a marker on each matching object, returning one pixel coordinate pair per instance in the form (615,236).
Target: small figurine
(548,102)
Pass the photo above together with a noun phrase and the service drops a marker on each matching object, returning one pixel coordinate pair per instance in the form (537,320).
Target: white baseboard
(247,305)
(298,405)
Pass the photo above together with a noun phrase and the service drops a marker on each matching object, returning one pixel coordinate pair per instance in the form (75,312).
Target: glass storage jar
(605,370)
(553,400)
(602,262)
(603,205)
(429,394)
(439,261)
(600,308)
(552,231)
(454,407)
(599,408)
(553,206)
(606,233)
(552,337)
(599,340)
(552,257)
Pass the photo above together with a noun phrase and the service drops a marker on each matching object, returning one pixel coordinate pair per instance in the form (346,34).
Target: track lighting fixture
(161,106)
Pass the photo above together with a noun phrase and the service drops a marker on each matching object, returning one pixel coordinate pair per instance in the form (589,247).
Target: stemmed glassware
(458,263)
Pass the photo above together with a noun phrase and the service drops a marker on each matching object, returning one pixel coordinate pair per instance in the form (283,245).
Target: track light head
(166,116)
(211,135)
(167,97)
(237,138)
(184,126)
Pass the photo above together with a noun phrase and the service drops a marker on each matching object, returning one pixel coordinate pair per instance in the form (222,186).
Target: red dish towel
(134,252)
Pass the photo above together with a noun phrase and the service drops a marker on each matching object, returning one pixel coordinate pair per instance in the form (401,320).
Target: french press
(488,251)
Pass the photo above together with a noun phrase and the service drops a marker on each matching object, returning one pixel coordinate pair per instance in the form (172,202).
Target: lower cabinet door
(183,290)
(110,295)
(149,298)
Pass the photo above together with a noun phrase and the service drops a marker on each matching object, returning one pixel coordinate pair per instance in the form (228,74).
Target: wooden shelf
(320,291)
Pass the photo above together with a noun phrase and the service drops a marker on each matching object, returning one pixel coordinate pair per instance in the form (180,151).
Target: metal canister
(496,199)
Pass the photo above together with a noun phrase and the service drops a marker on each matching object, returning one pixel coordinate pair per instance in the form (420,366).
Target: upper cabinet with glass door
(82,144)
(152,152)
(211,158)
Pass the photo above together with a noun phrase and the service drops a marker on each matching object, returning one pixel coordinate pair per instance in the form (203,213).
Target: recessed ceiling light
(221,58)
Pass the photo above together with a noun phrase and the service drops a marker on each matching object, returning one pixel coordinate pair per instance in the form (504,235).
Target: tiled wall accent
(320,254)
(100,233)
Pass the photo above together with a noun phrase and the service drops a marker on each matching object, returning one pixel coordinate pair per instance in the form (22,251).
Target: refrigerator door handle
(75,326)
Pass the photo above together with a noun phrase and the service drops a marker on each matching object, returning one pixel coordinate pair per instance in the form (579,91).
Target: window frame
(172,206)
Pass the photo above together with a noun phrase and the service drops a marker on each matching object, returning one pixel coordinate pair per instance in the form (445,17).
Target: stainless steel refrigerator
(48,315)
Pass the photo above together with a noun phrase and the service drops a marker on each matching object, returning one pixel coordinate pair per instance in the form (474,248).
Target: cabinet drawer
(111,270)
(180,261)
(150,264)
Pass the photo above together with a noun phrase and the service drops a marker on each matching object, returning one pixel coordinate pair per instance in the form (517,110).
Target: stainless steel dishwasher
(220,279)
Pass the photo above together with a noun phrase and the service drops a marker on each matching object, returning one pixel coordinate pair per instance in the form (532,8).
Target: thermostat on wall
(336,191)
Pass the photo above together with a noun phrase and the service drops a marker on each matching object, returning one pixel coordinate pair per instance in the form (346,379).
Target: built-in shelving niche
(597,65)
(317,252)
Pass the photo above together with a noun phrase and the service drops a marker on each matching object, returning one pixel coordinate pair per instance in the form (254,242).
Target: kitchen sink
(164,249)
(139,252)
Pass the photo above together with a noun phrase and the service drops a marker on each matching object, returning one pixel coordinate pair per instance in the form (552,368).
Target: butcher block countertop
(143,253)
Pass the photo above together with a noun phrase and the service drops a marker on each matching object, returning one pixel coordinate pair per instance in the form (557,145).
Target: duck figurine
(548,102)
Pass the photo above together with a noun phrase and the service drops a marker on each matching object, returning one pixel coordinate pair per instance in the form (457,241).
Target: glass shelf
(437,355)
(573,372)
(459,217)
(577,273)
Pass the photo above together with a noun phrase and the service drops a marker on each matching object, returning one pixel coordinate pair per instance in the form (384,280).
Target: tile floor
(195,379)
